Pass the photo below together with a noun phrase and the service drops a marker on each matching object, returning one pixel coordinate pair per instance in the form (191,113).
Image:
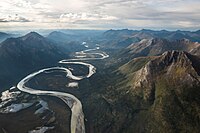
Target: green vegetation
(134,65)
(173,108)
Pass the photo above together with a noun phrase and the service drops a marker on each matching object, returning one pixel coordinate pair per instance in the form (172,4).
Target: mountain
(197,32)
(163,92)
(59,37)
(117,39)
(177,35)
(195,51)
(68,42)
(147,94)
(20,56)
(4,36)
(117,34)
(156,46)
(145,34)
(126,42)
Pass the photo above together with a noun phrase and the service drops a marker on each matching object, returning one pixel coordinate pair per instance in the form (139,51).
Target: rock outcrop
(168,88)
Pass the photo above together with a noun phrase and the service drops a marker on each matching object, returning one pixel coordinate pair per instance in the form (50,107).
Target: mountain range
(156,46)
(149,84)
(148,34)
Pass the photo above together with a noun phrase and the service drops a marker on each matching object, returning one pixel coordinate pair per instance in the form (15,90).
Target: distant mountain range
(64,36)
(148,34)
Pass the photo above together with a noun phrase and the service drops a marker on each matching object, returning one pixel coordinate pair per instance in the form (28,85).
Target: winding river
(77,117)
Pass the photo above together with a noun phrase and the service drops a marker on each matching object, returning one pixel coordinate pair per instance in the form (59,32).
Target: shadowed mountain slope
(20,56)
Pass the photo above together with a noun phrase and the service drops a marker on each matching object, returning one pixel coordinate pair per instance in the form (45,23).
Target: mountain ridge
(156,46)
(19,56)
(148,34)
(151,81)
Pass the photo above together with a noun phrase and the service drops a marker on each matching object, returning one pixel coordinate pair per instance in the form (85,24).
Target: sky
(100,14)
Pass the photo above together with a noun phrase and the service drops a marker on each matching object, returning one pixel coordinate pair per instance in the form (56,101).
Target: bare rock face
(172,65)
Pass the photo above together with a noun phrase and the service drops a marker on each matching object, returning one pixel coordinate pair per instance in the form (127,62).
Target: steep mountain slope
(195,51)
(167,88)
(19,56)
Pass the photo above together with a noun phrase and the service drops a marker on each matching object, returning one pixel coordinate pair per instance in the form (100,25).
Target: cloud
(75,17)
(165,14)
(14,18)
